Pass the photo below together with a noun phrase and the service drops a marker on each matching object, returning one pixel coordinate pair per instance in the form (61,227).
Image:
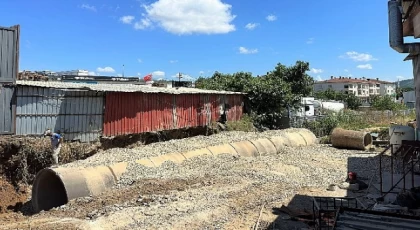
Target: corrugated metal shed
(77,114)
(130,113)
(9,54)
(7,109)
(120,88)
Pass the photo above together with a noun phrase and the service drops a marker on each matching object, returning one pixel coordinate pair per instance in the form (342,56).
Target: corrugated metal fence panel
(9,54)
(77,114)
(129,113)
(7,109)
(235,107)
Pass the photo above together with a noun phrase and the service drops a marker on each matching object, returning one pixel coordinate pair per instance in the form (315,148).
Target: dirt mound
(22,157)
(12,199)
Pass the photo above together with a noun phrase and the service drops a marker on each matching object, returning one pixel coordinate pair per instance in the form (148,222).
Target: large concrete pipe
(246,149)
(54,187)
(341,138)
(264,147)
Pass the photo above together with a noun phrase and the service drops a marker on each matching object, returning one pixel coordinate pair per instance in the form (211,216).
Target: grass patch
(354,120)
(245,124)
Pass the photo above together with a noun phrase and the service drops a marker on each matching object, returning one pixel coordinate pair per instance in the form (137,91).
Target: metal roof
(129,88)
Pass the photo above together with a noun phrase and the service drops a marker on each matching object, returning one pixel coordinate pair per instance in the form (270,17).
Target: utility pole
(123,70)
(179,77)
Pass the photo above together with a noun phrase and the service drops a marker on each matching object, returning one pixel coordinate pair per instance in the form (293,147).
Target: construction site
(153,157)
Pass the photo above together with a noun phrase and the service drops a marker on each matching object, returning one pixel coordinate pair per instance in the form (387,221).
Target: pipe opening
(48,191)
(367,140)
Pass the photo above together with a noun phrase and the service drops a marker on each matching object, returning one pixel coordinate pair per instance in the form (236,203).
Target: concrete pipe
(349,139)
(264,147)
(246,149)
(222,149)
(196,153)
(177,158)
(295,139)
(309,136)
(54,187)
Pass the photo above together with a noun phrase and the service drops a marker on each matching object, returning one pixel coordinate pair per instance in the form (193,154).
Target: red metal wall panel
(129,113)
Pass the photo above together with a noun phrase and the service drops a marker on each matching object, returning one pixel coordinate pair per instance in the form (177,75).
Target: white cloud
(91,73)
(319,78)
(139,60)
(310,41)
(316,71)
(244,50)
(105,70)
(158,73)
(271,18)
(201,72)
(88,7)
(355,56)
(173,61)
(127,19)
(142,24)
(189,16)
(184,77)
(251,26)
(365,66)
(138,74)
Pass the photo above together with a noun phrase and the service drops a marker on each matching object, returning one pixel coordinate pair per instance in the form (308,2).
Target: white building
(362,87)
(78,72)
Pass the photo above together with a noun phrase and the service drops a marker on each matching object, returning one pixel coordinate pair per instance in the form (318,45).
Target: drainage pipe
(396,38)
(349,139)
(54,187)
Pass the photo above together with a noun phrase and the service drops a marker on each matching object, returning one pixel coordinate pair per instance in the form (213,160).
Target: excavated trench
(23,158)
(55,187)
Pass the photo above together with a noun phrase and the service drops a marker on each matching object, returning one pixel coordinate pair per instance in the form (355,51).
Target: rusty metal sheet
(129,113)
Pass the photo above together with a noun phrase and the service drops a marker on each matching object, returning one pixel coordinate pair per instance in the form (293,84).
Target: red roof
(354,80)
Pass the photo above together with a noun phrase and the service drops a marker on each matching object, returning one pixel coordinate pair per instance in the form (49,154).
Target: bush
(245,124)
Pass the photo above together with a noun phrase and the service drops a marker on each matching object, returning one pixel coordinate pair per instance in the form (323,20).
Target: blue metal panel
(77,114)
(7,108)
(9,54)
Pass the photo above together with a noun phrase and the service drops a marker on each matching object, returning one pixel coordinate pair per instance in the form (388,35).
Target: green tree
(352,101)
(268,96)
(385,103)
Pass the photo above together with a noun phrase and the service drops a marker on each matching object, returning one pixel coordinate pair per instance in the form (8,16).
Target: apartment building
(361,87)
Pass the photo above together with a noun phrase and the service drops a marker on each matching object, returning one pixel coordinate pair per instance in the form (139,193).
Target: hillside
(409,83)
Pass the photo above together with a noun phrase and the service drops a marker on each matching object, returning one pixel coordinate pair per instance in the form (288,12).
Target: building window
(346,86)
(378,85)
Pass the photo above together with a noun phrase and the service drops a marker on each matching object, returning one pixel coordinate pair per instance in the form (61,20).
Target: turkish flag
(147,77)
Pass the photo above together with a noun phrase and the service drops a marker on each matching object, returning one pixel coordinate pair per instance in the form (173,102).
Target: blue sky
(198,37)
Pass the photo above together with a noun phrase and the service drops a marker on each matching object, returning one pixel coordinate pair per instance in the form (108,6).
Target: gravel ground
(182,145)
(223,192)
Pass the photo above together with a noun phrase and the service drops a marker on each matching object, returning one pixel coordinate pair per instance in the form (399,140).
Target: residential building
(363,88)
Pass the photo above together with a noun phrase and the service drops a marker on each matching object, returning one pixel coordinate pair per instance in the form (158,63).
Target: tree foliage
(386,103)
(268,96)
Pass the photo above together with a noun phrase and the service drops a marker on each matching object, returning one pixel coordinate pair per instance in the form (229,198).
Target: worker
(56,140)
